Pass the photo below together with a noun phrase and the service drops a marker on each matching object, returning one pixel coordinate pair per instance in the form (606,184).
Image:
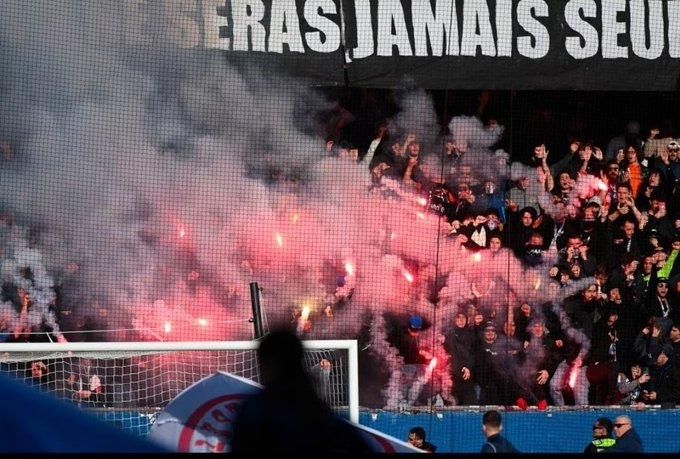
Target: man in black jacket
(416,437)
(495,442)
(627,439)
(601,362)
(460,344)
(664,387)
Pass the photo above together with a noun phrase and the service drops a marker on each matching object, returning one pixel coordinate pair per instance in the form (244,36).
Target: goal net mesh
(129,388)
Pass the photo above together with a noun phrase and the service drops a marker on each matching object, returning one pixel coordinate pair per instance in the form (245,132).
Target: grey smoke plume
(417,116)
(158,183)
(22,267)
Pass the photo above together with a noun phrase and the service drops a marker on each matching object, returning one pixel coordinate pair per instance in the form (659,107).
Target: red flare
(572,377)
(304,324)
(407,275)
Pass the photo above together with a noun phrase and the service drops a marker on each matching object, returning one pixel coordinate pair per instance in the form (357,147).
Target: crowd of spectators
(610,216)
(606,219)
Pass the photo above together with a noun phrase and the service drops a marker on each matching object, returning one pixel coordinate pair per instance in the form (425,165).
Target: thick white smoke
(159,183)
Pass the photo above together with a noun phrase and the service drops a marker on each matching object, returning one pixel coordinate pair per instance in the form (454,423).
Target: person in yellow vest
(602,436)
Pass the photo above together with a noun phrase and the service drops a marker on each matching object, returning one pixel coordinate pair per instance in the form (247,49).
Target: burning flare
(572,376)
(303,323)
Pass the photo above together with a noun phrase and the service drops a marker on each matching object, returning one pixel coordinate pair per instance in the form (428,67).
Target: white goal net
(129,383)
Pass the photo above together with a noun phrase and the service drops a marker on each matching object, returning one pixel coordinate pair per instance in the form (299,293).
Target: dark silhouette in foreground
(288,416)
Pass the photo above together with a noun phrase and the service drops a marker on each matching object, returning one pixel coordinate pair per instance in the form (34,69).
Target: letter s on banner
(586,31)
(330,29)
(534,27)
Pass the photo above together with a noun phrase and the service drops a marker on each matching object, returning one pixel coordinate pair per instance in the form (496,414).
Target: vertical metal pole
(257,309)
(353,370)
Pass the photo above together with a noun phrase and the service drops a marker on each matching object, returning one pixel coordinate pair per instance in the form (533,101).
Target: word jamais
(608,29)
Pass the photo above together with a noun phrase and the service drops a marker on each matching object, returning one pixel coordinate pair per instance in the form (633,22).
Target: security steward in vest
(602,436)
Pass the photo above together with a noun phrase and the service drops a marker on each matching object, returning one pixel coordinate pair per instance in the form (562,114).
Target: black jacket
(666,383)
(498,444)
(287,414)
(460,344)
(429,447)
(628,443)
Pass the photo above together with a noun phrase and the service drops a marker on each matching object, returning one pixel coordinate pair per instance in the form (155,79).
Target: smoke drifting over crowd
(158,183)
